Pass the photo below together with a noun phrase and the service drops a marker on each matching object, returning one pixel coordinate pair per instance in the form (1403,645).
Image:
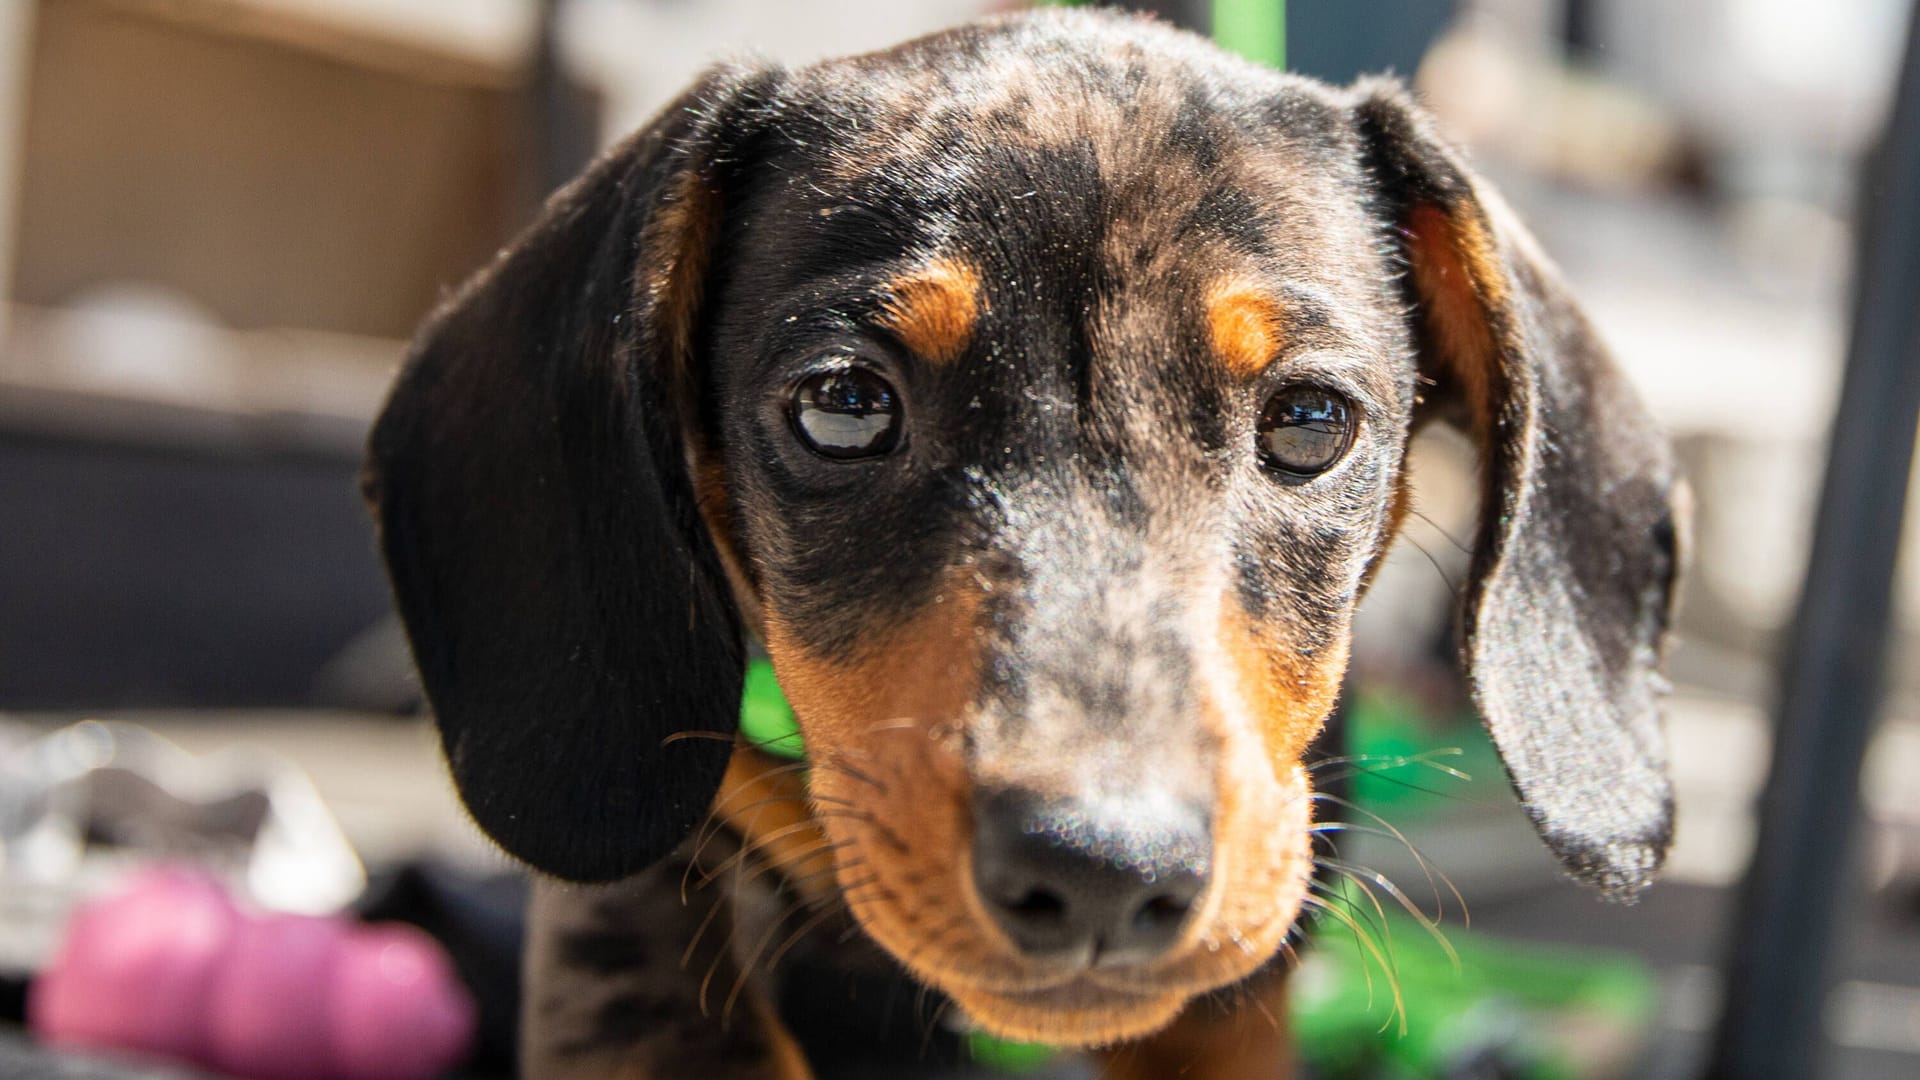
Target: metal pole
(561,116)
(1777,974)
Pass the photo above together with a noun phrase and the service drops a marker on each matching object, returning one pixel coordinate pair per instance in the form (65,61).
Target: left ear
(1566,612)
(565,600)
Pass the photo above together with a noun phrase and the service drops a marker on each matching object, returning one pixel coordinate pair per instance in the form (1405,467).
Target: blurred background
(220,220)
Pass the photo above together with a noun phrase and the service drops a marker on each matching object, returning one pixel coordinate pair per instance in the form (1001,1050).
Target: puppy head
(1037,392)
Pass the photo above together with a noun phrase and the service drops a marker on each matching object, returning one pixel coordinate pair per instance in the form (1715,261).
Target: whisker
(1452,587)
(680,736)
(1376,922)
(754,844)
(1408,785)
(1427,865)
(853,898)
(1324,836)
(1373,948)
(717,815)
(850,898)
(1463,549)
(762,866)
(1356,873)
(726,949)
(699,932)
(932,1022)
(753,961)
(838,763)
(1374,764)
(813,922)
(859,883)
(940,935)
(718,819)
(1292,954)
(894,723)
(814,875)
(1359,947)
(862,816)
(759,844)
(920,1013)
(1272,1020)
(693,861)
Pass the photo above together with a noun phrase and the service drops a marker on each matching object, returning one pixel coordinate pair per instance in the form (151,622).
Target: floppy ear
(1566,612)
(530,478)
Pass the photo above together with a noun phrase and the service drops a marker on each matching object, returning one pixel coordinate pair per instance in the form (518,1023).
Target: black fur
(566,608)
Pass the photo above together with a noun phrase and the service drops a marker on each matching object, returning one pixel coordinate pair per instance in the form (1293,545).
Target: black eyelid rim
(1338,370)
(819,353)
(844,354)
(1358,408)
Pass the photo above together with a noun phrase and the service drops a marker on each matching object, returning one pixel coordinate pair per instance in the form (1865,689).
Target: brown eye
(846,413)
(1303,431)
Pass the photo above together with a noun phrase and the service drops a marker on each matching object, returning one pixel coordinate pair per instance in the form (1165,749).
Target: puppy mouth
(902,833)
(1082,1003)
(928,916)
(1068,987)
(1080,1010)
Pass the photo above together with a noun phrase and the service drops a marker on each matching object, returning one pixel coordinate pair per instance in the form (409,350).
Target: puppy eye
(846,413)
(1303,431)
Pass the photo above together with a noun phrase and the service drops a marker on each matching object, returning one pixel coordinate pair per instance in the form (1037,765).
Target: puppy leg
(1235,1034)
(608,994)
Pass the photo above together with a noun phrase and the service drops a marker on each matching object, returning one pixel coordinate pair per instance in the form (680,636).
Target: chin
(1076,1014)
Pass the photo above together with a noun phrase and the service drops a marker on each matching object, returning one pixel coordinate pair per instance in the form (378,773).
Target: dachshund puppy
(1036,395)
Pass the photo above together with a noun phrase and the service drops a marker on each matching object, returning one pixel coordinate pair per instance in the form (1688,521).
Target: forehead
(1067,168)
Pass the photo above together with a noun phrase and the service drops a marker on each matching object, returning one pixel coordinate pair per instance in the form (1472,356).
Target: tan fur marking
(1243,325)
(932,309)
(1289,697)
(710,496)
(1095,1021)
(678,242)
(767,805)
(1456,271)
(882,730)
(789,1061)
(903,812)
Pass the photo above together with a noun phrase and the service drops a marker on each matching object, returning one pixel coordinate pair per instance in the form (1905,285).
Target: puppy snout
(1108,881)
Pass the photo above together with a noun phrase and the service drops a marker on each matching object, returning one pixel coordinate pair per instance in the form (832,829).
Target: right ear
(529,475)
(1566,608)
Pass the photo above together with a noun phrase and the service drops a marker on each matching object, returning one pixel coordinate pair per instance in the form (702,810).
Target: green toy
(1474,1006)
(766,720)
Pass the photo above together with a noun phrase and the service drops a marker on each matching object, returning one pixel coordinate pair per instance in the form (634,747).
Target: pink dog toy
(169,966)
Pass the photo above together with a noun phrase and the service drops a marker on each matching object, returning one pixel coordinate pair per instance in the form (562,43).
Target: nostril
(1155,921)
(1160,917)
(1037,905)
(1041,918)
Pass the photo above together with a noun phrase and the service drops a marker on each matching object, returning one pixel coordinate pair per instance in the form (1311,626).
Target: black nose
(1109,880)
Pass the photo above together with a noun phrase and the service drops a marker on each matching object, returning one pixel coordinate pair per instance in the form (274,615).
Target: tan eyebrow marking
(1243,324)
(932,309)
